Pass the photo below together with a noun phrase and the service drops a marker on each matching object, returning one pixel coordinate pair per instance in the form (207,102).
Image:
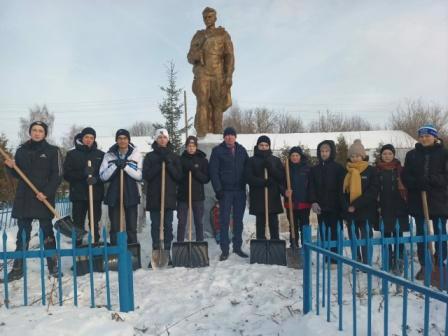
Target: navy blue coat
(227,170)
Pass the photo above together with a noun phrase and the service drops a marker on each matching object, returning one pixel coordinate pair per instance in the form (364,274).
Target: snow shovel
(267,251)
(161,257)
(435,274)
(190,254)
(293,252)
(134,248)
(82,262)
(65,224)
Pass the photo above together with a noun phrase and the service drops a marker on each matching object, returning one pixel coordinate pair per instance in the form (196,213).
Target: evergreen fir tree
(341,150)
(172,108)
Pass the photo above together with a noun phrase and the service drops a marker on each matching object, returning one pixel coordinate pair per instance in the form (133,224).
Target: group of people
(358,193)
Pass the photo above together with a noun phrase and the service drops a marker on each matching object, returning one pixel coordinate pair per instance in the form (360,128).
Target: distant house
(370,139)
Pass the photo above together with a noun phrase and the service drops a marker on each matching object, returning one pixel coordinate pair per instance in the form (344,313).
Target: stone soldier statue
(211,53)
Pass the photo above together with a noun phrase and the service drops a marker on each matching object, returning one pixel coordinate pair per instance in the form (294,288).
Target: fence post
(307,285)
(125,288)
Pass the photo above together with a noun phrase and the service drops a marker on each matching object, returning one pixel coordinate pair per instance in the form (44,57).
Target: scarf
(395,165)
(352,181)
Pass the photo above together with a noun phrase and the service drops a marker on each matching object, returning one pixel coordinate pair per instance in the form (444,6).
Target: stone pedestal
(206,144)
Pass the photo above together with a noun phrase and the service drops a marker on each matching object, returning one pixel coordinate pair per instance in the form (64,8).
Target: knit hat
(265,139)
(356,148)
(162,131)
(191,140)
(124,132)
(88,130)
(388,147)
(296,149)
(39,123)
(229,131)
(428,129)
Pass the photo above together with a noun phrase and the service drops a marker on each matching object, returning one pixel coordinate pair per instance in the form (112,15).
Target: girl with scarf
(360,195)
(392,203)
(299,171)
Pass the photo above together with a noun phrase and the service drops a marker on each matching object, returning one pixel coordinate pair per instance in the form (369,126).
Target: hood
(80,146)
(332,148)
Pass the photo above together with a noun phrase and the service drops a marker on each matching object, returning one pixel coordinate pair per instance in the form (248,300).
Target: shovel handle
(266,206)
(190,207)
(31,185)
(92,232)
(121,200)
(290,210)
(162,205)
(428,222)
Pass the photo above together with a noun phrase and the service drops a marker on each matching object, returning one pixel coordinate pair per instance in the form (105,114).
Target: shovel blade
(135,257)
(65,225)
(190,254)
(294,258)
(270,252)
(160,258)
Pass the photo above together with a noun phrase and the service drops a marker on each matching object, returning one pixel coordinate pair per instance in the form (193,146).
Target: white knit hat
(162,131)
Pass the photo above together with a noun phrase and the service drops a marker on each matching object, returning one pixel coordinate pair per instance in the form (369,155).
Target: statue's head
(209,16)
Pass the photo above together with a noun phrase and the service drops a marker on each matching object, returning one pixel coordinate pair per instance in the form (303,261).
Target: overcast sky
(101,63)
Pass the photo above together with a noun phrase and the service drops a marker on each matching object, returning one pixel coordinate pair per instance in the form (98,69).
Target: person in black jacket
(152,173)
(77,172)
(262,161)
(193,160)
(227,163)
(326,180)
(299,169)
(360,196)
(122,156)
(41,163)
(392,203)
(426,170)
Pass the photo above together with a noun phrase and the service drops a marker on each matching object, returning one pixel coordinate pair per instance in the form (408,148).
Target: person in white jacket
(122,156)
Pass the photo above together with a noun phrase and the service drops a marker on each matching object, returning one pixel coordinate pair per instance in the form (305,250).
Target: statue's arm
(229,58)
(195,53)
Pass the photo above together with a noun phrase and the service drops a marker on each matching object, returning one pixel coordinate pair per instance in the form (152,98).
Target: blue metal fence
(323,272)
(125,275)
(62,205)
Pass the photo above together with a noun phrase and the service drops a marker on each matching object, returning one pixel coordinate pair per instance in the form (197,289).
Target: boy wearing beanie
(193,160)
(152,174)
(255,177)
(425,170)
(360,195)
(79,175)
(123,156)
(41,162)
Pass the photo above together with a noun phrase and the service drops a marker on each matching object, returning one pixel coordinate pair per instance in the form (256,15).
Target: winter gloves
(316,208)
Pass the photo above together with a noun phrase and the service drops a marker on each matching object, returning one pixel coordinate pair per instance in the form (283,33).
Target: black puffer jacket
(366,206)
(152,173)
(426,168)
(200,176)
(41,163)
(391,202)
(254,175)
(299,173)
(75,165)
(326,180)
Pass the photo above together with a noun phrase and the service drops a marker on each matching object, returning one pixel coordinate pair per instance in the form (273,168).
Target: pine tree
(172,108)
(341,150)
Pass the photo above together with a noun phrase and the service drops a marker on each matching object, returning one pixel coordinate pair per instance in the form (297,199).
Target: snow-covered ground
(227,298)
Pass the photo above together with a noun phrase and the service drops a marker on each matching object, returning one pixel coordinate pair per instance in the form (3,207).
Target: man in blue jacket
(226,168)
